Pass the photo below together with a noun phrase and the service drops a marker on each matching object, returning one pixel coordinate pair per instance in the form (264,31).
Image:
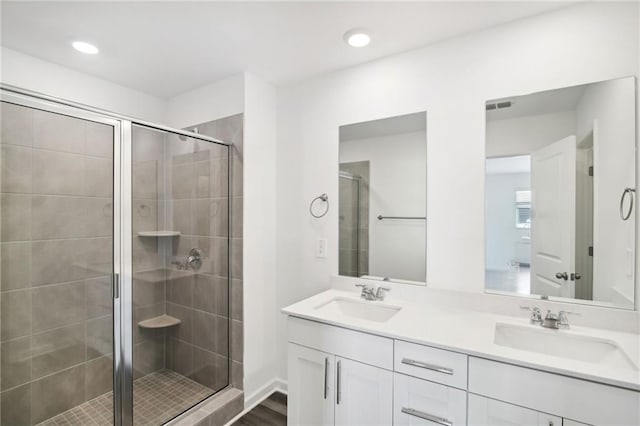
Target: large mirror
(559,194)
(383,199)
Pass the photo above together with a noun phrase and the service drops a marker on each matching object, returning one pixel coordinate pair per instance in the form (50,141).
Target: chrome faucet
(193,260)
(371,293)
(551,320)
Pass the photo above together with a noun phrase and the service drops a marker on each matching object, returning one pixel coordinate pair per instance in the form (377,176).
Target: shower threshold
(157,398)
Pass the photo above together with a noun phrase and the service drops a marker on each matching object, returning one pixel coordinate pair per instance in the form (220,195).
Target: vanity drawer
(437,365)
(420,402)
(363,347)
(582,400)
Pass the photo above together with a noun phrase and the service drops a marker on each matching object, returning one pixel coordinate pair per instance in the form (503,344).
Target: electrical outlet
(321,248)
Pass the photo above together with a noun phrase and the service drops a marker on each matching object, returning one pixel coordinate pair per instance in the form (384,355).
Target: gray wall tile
(184,330)
(16,406)
(15,265)
(99,140)
(57,349)
(16,362)
(99,300)
(15,314)
(15,167)
(204,330)
(58,132)
(15,215)
(99,378)
(17,124)
(180,357)
(68,386)
(58,305)
(99,337)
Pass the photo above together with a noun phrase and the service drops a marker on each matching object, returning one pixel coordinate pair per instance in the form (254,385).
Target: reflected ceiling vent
(499,105)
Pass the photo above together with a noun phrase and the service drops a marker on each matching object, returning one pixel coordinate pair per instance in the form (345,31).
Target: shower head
(193,130)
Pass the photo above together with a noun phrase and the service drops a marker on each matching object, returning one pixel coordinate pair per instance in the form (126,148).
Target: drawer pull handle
(426,416)
(431,367)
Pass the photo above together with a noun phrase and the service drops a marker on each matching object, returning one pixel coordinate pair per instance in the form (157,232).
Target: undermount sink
(561,344)
(371,311)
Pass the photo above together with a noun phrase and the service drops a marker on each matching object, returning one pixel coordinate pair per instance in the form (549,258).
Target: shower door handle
(115,285)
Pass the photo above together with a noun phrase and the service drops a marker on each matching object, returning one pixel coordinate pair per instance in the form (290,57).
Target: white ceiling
(384,127)
(167,48)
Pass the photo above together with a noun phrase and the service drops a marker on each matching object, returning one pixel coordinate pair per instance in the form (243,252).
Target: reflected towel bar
(380,217)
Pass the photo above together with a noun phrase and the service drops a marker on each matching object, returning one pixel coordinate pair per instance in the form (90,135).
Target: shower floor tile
(157,398)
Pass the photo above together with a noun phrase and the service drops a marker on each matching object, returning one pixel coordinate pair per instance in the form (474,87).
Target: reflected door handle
(562,276)
(575,276)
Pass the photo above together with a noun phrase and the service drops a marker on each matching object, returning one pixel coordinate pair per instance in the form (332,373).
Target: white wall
(211,102)
(523,135)
(398,173)
(611,104)
(34,74)
(501,232)
(259,273)
(451,81)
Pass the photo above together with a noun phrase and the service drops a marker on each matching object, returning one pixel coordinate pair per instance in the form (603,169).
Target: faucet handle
(380,292)
(563,319)
(536,315)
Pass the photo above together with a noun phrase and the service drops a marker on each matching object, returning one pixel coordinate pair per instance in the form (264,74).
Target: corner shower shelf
(163,321)
(158,234)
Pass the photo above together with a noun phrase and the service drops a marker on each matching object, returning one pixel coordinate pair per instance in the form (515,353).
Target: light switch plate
(321,248)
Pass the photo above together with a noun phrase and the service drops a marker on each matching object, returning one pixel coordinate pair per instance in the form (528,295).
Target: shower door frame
(122,274)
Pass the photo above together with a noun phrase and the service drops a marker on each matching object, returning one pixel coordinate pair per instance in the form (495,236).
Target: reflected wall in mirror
(558,165)
(383,198)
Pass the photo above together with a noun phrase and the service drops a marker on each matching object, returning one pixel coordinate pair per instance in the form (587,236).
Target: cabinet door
(364,394)
(311,391)
(420,402)
(489,412)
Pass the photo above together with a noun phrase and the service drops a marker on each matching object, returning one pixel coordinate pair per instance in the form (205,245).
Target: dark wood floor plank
(271,412)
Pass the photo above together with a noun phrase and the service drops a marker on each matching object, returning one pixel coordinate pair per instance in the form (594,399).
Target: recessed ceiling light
(357,37)
(84,47)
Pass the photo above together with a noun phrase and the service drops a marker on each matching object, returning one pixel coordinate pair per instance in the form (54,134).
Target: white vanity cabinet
(338,376)
(311,391)
(489,412)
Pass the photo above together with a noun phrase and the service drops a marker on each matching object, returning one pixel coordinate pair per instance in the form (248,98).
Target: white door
(553,187)
(364,394)
(490,412)
(419,402)
(311,390)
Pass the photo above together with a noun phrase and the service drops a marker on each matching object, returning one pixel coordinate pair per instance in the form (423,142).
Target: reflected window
(523,209)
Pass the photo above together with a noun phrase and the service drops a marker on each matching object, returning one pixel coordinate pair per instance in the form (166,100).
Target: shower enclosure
(114,283)
(354,219)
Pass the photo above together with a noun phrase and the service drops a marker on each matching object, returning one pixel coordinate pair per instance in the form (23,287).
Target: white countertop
(472,332)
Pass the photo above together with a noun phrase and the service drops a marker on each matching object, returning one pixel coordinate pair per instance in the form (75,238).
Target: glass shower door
(180,272)
(57,261)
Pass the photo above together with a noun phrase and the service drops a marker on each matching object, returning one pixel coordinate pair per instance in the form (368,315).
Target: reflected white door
(553,203)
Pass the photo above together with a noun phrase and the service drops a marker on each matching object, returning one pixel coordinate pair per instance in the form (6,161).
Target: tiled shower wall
(231,129)
(354,234)
(199,347)
(185,187)
(56,254)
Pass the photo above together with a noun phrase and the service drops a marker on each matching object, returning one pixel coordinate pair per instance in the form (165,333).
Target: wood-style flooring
(270,412)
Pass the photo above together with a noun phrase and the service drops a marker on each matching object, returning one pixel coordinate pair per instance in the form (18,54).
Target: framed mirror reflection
(382,199)
(559,194)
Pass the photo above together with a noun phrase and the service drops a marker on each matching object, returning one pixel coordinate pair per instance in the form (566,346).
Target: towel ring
(626,191)
(321,197)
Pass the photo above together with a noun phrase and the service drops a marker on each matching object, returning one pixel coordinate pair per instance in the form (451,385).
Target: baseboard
(260,395)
